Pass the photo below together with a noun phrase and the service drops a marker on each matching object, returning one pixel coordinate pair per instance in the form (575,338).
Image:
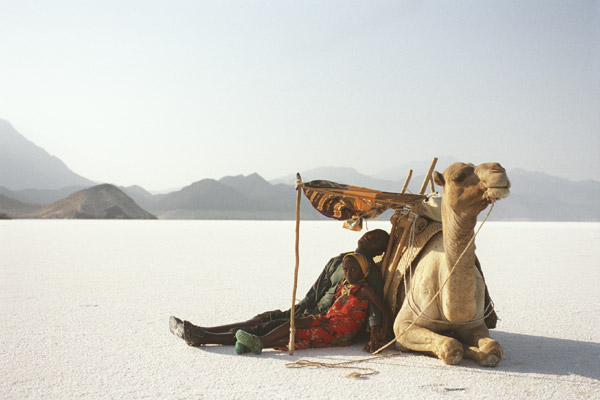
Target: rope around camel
(371,371)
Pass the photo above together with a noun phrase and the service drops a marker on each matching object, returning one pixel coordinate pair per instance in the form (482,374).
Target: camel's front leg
(417,338)
(479,346)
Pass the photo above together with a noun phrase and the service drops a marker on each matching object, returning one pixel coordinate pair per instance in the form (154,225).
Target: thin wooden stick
(406,181)
(393,234)
(297,249)
(391,245)
(428,176)
(393,266)
(406,222)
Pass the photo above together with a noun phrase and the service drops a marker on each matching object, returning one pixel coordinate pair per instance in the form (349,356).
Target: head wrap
(362,261)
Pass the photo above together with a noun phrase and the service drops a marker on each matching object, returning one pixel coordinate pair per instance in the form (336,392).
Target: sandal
(249,340)
(240,348)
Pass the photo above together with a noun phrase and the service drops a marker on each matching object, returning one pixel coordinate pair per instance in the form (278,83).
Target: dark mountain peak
(237,181)
(138,190)
(136,187)
(204,194)
(104,187)
(203,184)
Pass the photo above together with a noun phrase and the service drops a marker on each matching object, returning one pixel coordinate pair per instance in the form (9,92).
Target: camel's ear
(438,178)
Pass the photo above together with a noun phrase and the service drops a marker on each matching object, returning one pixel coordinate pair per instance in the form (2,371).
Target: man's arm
(378,331)
(321,285)
(374,280)
(378,302)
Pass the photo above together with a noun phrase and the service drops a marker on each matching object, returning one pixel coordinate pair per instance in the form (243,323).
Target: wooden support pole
(406,181)
(393,266)
(393,234)
(391,245)
(297,250)
(428,175)
(406,223)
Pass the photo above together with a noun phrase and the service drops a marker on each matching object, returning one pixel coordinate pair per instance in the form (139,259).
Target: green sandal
(240,348)
(250,341)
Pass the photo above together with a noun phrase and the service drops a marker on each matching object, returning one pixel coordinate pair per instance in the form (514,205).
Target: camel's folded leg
(479,346)
(417,338)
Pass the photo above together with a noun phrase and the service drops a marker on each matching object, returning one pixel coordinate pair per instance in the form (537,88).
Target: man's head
(373,243)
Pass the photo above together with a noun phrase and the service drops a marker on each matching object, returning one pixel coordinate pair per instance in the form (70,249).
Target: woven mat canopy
(346,202)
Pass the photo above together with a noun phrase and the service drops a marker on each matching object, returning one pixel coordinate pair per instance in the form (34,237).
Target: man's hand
(298,311)
(375,340)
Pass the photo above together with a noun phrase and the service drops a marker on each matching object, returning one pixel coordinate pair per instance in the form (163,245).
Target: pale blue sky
(164,93)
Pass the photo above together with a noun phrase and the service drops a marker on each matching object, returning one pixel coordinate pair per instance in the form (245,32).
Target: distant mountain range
(38,185)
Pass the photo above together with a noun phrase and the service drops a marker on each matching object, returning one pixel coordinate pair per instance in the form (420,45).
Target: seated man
(318,300)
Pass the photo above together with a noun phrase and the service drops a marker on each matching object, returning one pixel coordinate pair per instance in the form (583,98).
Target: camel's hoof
(490,361)
(493,354)
(454,358)
(452,352)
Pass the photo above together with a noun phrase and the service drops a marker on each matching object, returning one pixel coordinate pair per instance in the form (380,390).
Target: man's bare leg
(235,326)
(195,335)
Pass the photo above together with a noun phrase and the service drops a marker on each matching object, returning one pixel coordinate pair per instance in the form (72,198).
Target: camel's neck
(458,296)
(458,232)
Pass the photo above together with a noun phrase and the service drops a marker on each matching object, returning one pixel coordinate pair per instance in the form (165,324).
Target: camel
(426,317)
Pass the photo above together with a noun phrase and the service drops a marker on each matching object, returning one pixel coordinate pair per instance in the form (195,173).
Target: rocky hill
(11,208)
(99,202)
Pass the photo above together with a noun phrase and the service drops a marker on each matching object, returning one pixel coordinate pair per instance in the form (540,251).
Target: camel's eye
(460,176)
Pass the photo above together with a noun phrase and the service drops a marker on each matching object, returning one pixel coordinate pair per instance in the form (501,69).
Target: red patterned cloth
(340,324)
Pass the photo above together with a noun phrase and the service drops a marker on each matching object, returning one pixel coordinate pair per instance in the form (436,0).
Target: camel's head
(469,189)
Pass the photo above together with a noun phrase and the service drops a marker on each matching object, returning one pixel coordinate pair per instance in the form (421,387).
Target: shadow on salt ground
(522,354)
(329,352)
(552,356)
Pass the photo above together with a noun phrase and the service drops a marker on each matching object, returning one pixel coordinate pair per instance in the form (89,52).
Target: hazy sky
(165,93)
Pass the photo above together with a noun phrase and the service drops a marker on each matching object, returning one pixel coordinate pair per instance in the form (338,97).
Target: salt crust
(85,306)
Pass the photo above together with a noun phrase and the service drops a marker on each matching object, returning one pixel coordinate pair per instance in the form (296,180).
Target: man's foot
(250,341)
(176,326)
(193,335)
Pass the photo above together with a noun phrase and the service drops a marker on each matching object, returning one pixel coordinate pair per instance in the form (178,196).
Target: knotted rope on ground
(342,364)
